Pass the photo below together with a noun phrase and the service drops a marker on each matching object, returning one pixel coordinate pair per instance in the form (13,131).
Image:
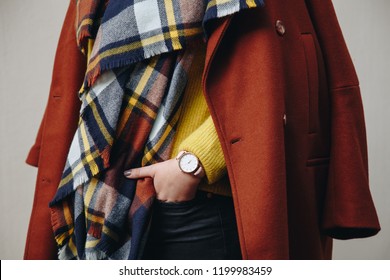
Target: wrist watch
(189,163)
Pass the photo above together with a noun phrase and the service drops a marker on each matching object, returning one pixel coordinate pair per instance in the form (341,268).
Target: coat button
(284,119)
(280,28)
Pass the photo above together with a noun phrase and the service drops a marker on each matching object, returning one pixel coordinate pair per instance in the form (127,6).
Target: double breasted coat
(285,100)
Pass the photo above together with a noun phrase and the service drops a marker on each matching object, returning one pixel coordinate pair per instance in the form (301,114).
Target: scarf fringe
(96,255)
(93,74)
(82,37)
(63,253)
(67,190)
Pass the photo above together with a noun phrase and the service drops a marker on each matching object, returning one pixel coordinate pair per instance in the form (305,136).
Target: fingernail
(127,173)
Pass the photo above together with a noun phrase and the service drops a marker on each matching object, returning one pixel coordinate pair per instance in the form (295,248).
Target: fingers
(136,173)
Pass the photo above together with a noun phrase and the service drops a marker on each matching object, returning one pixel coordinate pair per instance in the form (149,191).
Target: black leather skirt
(201,228)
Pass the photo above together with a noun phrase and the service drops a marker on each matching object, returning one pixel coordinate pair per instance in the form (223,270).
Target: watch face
(188,163)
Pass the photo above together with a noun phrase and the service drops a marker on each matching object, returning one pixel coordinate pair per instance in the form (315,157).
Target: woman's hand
(170,183)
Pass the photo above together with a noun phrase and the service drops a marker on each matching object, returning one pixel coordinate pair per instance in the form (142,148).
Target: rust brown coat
(285,99)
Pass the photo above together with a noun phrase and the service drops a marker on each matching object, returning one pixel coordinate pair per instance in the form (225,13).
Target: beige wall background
(29,31)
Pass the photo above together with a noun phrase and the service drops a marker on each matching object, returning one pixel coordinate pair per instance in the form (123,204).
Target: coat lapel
(213,42)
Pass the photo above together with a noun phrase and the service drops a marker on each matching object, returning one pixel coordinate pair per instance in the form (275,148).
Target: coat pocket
(312,80)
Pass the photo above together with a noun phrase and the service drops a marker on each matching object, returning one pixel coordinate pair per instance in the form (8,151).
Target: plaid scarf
(136,75)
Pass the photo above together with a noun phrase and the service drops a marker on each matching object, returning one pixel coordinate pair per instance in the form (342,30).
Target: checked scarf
(139,54)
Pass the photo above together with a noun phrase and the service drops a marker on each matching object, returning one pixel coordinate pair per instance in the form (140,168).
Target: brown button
(284,119)
(280,28)
(209,195)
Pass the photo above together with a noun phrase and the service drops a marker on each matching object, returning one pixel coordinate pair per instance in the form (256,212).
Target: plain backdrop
(29,32)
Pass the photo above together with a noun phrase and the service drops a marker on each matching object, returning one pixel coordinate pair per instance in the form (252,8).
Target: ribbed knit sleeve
(204,143)
(196,131)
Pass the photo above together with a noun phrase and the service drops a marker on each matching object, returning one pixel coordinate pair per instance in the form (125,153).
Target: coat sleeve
(54,137)
(349,210)
(66,36)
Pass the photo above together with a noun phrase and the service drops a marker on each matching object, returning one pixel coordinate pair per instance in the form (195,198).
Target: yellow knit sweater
(196,131)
